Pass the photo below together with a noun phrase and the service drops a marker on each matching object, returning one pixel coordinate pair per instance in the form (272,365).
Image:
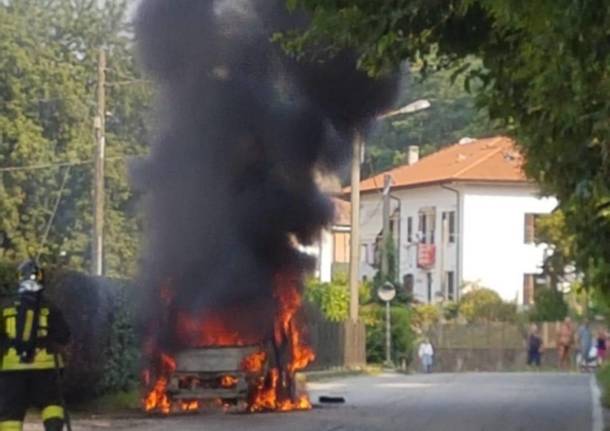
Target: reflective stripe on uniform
(29,322)
(43,359)
(10,311)
(52,412)
(43,323)
(11,426)
(11,327)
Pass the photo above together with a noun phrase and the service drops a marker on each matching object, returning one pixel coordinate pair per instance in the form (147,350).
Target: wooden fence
(337,344)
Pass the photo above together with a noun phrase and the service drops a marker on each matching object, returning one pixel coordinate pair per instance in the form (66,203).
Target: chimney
(412,154)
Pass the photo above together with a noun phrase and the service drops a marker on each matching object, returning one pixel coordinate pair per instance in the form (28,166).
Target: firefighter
(31,333)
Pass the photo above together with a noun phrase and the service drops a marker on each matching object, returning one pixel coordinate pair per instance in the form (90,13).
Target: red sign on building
(426,255)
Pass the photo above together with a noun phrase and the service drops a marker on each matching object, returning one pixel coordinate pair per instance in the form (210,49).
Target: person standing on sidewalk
(426,355)
(602,345)
(565,340)
(534,347)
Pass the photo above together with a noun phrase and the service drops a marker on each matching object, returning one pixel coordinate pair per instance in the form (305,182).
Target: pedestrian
(585,342)
(426,355)
(32,331)
(602,339)
(565,339)
(534,347)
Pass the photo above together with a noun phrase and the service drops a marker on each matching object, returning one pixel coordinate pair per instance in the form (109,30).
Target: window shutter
(528,289)
(529,228)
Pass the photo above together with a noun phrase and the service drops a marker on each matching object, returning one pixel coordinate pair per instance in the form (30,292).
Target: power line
(63,164)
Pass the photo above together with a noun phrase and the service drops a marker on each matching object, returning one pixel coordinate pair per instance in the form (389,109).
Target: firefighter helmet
(30,276)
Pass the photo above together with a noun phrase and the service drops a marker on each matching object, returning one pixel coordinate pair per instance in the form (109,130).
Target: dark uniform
(31,330)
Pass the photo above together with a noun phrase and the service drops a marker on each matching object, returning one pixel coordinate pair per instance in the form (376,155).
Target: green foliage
(7,277)
(331,298)
(425,315)
(403,337)
(549,306)
(47,104)
(103,354)
(481,304)
(453,114)
(122,352)
(603,379)
(543,72)
(451,310)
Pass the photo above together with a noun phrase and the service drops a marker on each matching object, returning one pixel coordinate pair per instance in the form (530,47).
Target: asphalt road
(437,402)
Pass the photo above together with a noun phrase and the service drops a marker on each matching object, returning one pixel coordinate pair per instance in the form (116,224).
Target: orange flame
(255,362)
(157,399)
(228,381)
(270,390)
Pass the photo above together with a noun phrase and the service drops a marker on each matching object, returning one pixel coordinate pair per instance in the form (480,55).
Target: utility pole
(385,233)
(98,187)
(354,259)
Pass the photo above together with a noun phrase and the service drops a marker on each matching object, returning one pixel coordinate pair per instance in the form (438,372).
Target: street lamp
(386,293)
(418,105)
(357,149)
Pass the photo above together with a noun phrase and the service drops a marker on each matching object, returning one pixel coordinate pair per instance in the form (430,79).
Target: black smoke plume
(241,130)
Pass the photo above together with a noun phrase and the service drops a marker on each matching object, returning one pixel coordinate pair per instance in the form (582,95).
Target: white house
(463,214)
(332,249)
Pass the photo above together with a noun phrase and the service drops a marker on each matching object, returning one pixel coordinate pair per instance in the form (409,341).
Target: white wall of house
(411,202)
(325,256)
(489,232)
(494,251)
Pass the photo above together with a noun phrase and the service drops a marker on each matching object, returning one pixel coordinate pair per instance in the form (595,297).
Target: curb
(596,406)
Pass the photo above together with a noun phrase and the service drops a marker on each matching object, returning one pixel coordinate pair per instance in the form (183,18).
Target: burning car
(222,368)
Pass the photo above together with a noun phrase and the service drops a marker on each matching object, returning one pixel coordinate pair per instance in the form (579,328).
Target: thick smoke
(229,182)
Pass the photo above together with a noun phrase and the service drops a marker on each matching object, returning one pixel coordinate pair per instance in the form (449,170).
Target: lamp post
(357,152)
(386,293)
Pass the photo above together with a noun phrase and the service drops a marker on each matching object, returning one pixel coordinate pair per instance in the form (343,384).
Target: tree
(549,306)
(453,114)
(481,304)
(544,73)
(552,231)
(48,59)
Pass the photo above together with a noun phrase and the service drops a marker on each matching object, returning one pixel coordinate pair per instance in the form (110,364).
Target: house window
(529,228)
(341,243)
(449,225)
(409,229)
(450,285)
(528,289)
(422,227)
(408,283)
(427,222)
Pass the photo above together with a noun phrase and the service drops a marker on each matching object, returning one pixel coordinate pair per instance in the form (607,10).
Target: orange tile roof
(489,160)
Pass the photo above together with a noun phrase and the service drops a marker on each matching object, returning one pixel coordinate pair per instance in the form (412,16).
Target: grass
(603,378)
(120,402)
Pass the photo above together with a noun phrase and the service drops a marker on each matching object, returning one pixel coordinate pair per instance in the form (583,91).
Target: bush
(403,337)
(104,352)
(485,305)
(425,315)
(549,306)
(331,298)
(7,277)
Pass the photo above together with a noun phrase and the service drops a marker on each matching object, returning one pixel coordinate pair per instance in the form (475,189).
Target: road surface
(436,402)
